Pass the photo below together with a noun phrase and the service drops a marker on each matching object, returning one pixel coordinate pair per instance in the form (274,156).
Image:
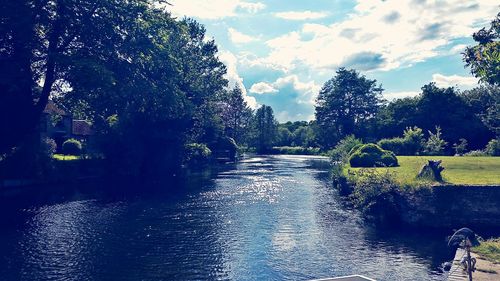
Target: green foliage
(299,133)
(266,127)
(344,103)
(460,115)
(485,103)
(396,145)
(493,147)
(296,150)
(355,148)
(72,147)
(371,155)
(414,140)
(484,58)
(461,147)
(32,159)
(236,115)
(375,193)
(435,145)
(476,153)
(197,153)
(50,145)
(344,149)
(285,137)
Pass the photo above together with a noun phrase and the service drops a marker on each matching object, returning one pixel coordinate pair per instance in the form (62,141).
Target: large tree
(266,128)
(236,115)
(42,41)
(344,102)
(484,58)
(147,81)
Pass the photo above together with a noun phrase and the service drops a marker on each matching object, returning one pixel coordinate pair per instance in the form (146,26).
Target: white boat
(347,278)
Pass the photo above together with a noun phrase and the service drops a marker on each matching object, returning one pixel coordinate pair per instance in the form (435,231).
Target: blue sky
(281,52)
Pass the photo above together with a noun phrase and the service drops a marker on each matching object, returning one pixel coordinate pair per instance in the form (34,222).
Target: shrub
(72,147)
(493,147)
(342,150)
(371,155)
(460,147)
(355,148)
(435,144)
(396,145)
(476,153)
(414,140)
(197,153)
(50,146)
(410,144)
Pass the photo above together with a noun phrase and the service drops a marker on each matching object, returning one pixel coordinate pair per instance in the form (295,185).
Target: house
(60,126)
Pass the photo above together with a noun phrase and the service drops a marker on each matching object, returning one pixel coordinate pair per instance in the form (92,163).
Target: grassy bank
(489,250)
(458,170)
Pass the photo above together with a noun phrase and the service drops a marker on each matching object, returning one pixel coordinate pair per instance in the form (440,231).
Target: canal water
(263,218)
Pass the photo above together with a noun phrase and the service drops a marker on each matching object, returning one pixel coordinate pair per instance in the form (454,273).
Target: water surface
(265,218)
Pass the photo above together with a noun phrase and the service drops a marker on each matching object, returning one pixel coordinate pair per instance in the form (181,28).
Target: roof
(82,128)
(52,109)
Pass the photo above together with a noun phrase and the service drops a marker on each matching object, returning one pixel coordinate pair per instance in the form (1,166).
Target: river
(263,218)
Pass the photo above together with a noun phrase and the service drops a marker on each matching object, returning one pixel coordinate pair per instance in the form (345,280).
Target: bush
(414,141)
(72,147)
(355,148)
(343,149)
(410,144)
(396,145)
(197,153)
(493,147)
(461,147)
(435,145)
(476,153)
(371,155)
(50,146)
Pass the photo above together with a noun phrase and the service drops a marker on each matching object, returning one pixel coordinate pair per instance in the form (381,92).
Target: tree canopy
(344,102)
(484,58)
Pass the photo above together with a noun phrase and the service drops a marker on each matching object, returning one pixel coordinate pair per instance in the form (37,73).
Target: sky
(280,52)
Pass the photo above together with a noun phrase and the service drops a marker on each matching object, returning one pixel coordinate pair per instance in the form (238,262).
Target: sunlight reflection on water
(271,218)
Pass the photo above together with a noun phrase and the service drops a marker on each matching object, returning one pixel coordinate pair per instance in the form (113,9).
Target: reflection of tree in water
(426,244)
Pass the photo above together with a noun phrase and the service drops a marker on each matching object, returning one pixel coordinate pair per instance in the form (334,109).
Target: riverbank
(469,195)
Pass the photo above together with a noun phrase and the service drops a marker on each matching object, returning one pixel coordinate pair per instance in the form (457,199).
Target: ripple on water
(270,218)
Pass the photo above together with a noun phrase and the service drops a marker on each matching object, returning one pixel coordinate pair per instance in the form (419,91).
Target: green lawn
(63,157)
(458,170)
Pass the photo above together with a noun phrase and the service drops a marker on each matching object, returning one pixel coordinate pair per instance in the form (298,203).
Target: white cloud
(457,49)
(237,37)
(262,88)
(307,91)
(212,9)
(462,82)
(252,7)
(305,15)
(234,78)
(381,35)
